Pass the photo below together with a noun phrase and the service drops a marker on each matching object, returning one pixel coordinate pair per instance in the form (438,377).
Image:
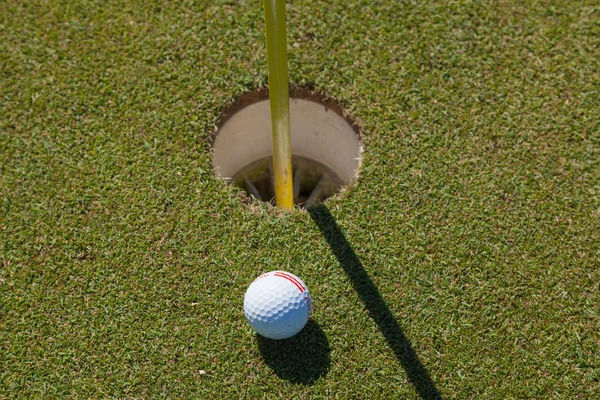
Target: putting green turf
(463,263)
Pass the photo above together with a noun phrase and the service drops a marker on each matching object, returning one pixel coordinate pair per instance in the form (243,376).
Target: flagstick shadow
(375,304)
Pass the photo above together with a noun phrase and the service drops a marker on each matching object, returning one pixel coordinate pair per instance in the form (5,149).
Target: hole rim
(303,92)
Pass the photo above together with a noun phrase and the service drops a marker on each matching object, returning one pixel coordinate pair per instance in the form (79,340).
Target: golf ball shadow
(301,359)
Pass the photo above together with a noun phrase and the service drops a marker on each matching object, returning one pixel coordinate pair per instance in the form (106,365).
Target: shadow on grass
(303,358)
(375,304)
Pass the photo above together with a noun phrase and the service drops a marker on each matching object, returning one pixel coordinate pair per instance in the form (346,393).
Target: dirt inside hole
(313,181)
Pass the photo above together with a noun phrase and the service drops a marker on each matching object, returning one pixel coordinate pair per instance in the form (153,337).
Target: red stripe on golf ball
(296,279)
(291,279)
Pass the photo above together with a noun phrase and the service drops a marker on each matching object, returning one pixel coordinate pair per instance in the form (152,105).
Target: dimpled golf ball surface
(277,305)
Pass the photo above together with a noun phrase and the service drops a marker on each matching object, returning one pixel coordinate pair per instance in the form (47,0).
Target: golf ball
(277,305)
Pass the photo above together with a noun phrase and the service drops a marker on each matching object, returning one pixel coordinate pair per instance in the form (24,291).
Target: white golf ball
(277,305)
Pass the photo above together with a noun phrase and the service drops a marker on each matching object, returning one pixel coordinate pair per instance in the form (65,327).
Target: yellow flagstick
(279,100)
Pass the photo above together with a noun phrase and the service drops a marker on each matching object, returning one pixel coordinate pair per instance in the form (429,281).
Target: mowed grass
(463,263)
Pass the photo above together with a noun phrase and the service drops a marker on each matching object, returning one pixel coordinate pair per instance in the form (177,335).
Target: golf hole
(326,147)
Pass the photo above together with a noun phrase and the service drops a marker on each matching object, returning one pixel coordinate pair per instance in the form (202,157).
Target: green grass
(464,262)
